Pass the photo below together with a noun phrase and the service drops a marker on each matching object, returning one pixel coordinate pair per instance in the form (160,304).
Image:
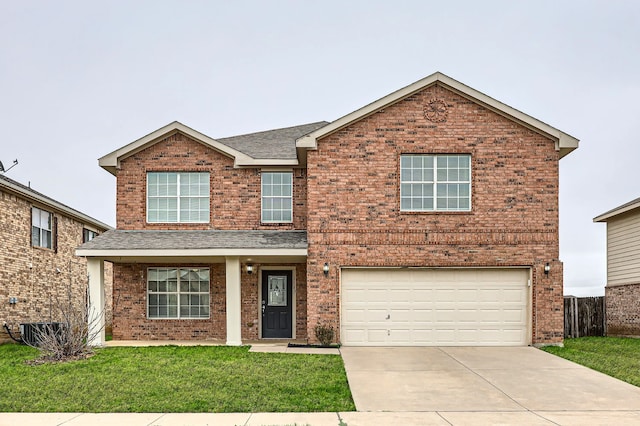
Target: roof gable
(269,148)
(111,161)
(564,142)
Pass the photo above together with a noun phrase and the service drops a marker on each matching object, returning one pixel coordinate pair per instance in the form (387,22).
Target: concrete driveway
(481,385)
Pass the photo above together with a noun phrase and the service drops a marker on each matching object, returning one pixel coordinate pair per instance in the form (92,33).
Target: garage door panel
(434,307)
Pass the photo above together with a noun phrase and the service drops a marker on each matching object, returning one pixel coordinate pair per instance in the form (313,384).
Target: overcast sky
(81,79)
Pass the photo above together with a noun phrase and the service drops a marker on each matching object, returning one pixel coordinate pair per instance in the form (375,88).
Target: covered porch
(248,280)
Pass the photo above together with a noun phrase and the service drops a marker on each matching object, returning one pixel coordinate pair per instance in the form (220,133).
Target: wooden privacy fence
(584,316)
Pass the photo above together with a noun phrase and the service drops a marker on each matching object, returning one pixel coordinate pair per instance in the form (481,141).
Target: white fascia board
(54,205)
(111,161)
(618,211)
(190,252)
(564,142)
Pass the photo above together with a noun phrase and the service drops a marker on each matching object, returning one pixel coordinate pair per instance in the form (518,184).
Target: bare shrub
(324,333)
(68,338)
(72,326)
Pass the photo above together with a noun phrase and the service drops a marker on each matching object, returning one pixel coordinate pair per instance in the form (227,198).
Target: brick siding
(130,320)
(623,310)
(29,273)
(235,193)
(355,219)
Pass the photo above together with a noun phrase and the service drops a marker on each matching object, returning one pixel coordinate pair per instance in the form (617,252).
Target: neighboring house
(428,217)
(38,266)
(622,291)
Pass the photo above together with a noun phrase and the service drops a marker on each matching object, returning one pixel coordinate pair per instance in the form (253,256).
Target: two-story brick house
(38,266)
(428,217)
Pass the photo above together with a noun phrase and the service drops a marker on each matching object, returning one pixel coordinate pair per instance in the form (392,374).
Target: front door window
(277,290)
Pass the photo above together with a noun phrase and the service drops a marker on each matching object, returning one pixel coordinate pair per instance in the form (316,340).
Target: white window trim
(262,197)
(178,293)
(435,183)
(178,197)
(40,229)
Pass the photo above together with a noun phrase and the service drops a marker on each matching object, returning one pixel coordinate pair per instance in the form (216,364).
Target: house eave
(186,256)
(54,205)
(625,208)
(564,142)
(111,161)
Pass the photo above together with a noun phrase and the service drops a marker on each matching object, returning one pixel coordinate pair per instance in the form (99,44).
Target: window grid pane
(41,228)
(435,182)
(178,293)
(177,197)
(277,197)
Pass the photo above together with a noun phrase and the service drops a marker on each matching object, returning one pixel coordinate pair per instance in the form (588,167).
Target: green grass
(174,379)
(615,356)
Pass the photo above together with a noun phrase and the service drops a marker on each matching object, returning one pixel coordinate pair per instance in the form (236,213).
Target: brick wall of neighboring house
(353,203)
(623,310)
(235,193)
(29,273)
(130,306)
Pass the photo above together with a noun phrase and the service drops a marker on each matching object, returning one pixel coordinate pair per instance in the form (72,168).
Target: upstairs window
(41,228)
(177,197)
(277,198)
(88,235)
(435,183)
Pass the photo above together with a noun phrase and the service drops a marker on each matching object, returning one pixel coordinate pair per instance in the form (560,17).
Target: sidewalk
(364,418)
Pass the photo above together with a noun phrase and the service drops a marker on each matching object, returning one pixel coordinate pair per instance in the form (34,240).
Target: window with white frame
(178,293)
(41,228)
(177,197)
(277,197)
(435,182)
(88,235)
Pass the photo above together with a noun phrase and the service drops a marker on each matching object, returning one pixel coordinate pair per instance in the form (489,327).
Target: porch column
(234,319)
(95,271)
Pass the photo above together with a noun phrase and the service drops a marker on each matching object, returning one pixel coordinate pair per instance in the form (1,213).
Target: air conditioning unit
(30,332)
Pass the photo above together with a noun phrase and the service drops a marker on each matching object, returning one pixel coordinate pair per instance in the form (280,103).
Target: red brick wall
(130,320)
(623,310)
(353,203)
(235,193)
(29,273)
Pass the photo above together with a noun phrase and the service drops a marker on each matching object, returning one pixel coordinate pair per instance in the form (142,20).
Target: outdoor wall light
(249,269)
(547,268)
(325,269)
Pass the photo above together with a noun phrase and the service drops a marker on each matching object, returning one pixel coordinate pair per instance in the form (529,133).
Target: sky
(79,79)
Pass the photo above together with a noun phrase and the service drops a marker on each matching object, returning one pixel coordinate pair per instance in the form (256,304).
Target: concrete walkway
(425,386)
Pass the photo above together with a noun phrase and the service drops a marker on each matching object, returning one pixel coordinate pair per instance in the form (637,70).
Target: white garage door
(434,307)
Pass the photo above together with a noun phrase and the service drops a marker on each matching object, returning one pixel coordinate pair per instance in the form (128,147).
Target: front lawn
(618,357)
(174,379)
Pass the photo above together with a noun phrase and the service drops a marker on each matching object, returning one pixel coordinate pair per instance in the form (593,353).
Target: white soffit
(564,143)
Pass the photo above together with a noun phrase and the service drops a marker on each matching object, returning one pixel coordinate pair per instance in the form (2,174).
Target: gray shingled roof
(210,239)
(278,143)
